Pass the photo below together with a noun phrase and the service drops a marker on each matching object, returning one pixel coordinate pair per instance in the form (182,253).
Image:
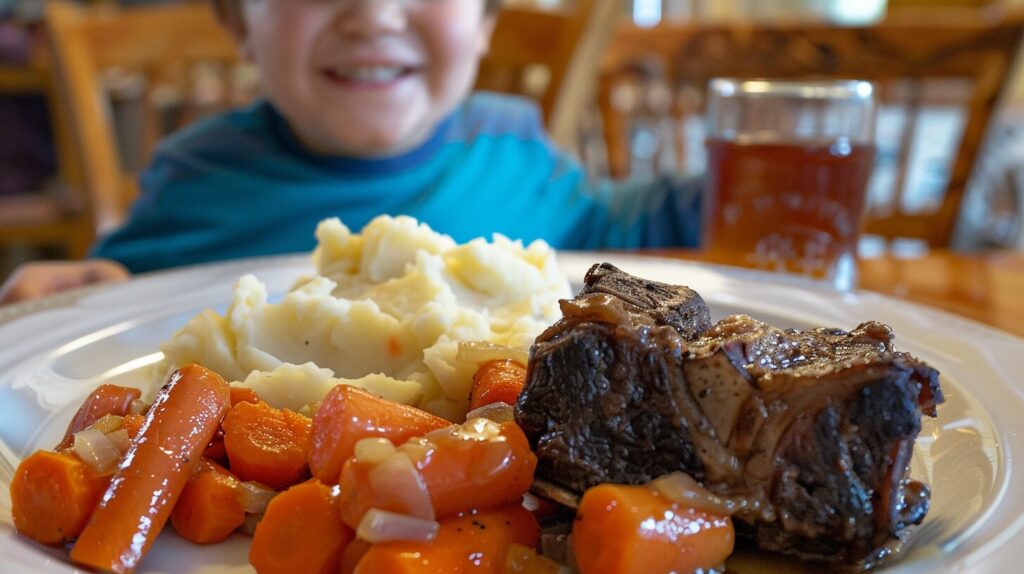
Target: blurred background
(623,86)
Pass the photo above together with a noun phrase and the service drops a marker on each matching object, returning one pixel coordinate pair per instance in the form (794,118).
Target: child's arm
(41,278)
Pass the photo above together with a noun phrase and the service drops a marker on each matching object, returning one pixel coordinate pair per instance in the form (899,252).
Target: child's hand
(39,279)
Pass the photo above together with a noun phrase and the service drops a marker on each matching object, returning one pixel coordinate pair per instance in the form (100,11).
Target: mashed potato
(384,312)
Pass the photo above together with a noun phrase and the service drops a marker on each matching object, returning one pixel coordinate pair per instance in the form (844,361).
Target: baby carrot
(265,444)
(352,555)
(632,529)
(208,509)
(243,395)
(497,381)
(105,400)
(300,532)
(348,415)
(159,463)
(473,543)
(474,466)
(52,496)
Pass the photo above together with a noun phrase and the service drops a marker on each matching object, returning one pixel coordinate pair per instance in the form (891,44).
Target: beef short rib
(807,433)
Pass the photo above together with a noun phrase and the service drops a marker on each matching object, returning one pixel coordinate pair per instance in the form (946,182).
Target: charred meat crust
(808,433)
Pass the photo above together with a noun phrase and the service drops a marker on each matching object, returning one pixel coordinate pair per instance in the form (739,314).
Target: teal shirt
(240,185)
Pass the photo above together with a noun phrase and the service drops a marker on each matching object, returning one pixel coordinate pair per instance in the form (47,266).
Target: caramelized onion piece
(555,493)
(254,497)
(383,526)
(497,412)
(251,522)
(121,440)
(98,451)
(107,424)
(479,352)
(681,488)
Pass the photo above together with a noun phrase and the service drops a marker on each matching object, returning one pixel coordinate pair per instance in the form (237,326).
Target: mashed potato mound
(384,312)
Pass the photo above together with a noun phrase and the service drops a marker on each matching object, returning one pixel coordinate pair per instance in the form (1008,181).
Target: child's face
(366,77)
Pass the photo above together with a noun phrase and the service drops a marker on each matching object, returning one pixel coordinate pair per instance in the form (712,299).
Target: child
(368,111)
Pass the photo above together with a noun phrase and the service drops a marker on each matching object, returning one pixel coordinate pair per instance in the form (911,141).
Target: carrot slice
(52,496)
(208,509)
(243,395)
(105,400)
(266,445)
(622,528)
(159,463)
(474,466)
(300,532)
(474,543)
(348,415)
(132,424)
(353,553)
(497,381)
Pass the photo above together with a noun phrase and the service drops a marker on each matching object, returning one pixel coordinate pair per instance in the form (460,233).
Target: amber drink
(788,168)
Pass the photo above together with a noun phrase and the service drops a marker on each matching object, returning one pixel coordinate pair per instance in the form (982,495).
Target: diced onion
(374,450)
(531,502)
(107,424)
(681,488)
(397,476)
(121,440)
(138,407)
(254,497)
(250,524)
(497,412)
(383,526)
(479,429)
(479,352)
(98,451)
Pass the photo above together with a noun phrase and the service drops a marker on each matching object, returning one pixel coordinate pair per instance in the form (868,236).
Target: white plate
(52,357)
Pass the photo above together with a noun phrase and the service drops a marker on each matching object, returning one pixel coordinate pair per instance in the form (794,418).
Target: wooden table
(988,288)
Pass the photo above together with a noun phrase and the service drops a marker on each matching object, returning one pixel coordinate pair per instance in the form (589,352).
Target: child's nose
(366,17)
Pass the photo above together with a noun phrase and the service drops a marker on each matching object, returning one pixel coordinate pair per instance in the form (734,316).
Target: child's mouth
(368,76)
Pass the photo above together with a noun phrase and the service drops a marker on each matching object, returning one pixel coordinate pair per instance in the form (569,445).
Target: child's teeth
(373,73)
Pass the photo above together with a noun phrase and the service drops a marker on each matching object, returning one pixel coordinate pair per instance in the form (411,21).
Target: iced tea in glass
(788,168)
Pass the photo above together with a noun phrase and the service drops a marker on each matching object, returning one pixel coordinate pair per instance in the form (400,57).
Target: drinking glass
(788,167)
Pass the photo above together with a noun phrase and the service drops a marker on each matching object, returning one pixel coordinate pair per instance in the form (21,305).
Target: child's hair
(230,11)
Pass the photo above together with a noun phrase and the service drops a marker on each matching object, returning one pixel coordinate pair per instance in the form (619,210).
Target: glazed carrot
(215,451)
(474,466)
(143,491)
(243,395)
(632,529)
(300,532)
(132,424)
(105,400)
(52,496)
(348,415)
(265,444)
(208,509)
(352,555)
(474,543)
(497,381)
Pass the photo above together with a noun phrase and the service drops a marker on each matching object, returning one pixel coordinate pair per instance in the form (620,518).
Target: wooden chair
(54,216)
(154,50)
(905,53)
(551,56)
